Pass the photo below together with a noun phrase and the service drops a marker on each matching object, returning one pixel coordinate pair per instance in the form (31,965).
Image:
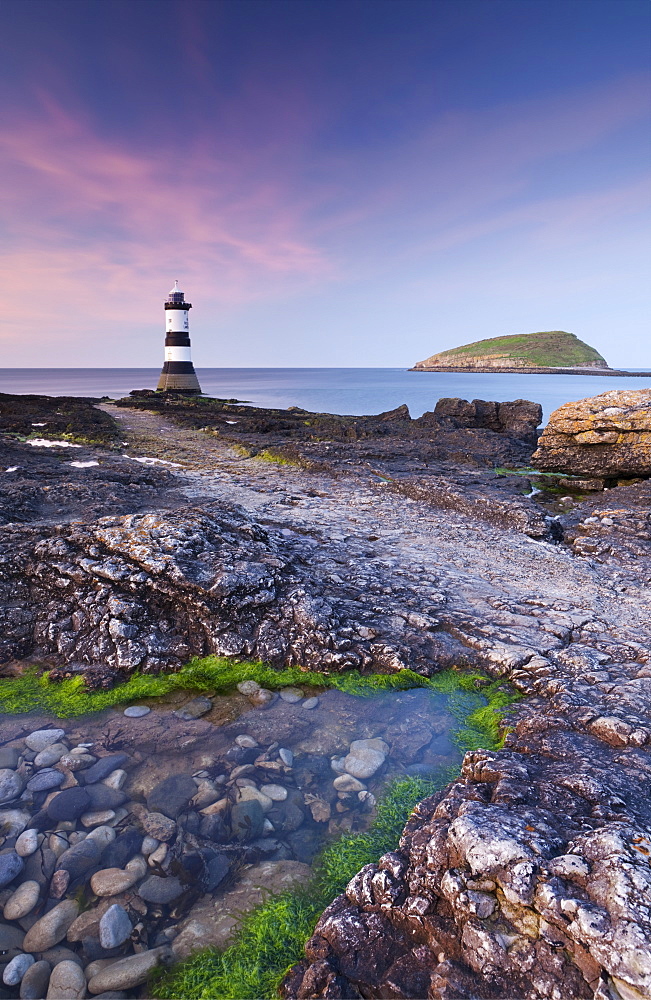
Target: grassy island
(548,349)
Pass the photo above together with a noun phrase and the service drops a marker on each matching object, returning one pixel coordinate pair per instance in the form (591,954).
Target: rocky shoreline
(379,545)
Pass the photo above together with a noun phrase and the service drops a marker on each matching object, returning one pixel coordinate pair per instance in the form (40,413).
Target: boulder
(604,436)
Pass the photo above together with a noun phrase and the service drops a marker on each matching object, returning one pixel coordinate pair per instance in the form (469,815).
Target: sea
(326,390)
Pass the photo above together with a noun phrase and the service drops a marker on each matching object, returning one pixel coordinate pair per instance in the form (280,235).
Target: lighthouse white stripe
(177,354)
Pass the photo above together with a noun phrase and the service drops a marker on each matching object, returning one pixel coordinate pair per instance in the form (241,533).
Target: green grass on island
(548,349)
(272,936)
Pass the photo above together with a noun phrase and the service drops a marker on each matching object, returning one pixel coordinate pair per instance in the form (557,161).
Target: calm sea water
(326,390)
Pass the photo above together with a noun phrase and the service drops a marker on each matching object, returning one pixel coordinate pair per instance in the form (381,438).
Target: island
(546,352)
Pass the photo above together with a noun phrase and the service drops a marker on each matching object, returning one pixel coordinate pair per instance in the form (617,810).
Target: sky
(334,183)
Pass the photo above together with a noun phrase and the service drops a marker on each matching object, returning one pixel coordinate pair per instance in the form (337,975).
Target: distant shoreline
(535,371)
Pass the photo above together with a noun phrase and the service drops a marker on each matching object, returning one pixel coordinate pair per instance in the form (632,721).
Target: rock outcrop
(604,436)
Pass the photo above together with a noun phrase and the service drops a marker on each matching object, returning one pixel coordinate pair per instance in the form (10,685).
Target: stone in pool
(172,795)
(114,927)
(34,982)
(291,695)
(69,804)
(121,850)
(310,703)
(13,822)
(136,711)
(45,780)
(103,797)
(247,820)
(194,709)
(80,858)
(42,738)
(11,784)
(160,890)
(11,865)
(16,969)
(103,767)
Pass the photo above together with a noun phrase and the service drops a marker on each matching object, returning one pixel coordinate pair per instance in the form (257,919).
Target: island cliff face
(551,349)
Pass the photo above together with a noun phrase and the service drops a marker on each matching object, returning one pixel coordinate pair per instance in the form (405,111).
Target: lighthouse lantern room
(178,374)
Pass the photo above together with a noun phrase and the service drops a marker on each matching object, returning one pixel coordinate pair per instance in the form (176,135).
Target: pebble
(159,826)
(68,804)
(16,969)
(291,695)
(50,755)
(160,890)
(13,822)
(194,709)
(58,843)
(81,858)
(42,738)
(346,783)
(27,843)
(11,784)
(136,711)
(77,761)
(102,835)
(10,868)
(52,927)
(67,982)
(248,794)
(261,698)
(45,780)
(34,982)
(137,865)
(310,703)
(99,818)
(172,795)
(103,797)
(158,856)
(122,849)
(247,819)
(286,756)
(116,779)
(59,883)
(9,758)
(275,792)
(248,687)
(103,768)
(149,845)
(114,927)
(111,881)
(245,741)
(22,901)
(128,972)
(364,762)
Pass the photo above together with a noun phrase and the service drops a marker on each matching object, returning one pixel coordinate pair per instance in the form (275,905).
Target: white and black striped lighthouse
(178,374)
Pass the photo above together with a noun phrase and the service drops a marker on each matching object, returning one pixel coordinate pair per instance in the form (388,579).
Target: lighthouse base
(179,376)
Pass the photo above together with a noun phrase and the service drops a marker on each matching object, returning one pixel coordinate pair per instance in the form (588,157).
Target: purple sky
(334,182)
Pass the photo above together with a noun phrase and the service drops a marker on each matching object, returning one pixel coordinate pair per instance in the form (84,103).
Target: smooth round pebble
(50,755)
(149,845)
(16,969)
(45,780)
(11,784)
(346,783)
(116,780)
(245,741)
(42,738)
(52,927)
(77,761)
(286,756)
(33,985)
(277,793)
(22,901)
(13,822)
(291,695)
(310,703)
(136,711)
(27,843)
(10,868)
(114,927)
(111,881)
(160,890)
(102,835)
(67,982)
(68,804)
(128,972)
(248,687)
(99,818)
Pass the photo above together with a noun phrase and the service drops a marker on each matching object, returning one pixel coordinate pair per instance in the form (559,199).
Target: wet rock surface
(385,558)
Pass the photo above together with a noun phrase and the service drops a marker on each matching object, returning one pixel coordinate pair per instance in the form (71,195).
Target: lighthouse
(178,374)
